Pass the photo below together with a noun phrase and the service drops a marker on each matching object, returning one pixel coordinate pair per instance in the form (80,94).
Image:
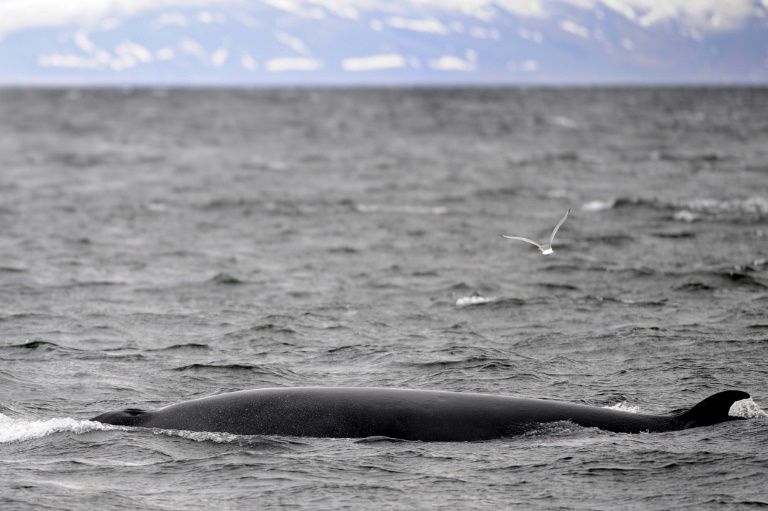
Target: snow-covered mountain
(376,42)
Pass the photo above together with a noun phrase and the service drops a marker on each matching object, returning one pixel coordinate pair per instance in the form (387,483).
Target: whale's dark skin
(429,416)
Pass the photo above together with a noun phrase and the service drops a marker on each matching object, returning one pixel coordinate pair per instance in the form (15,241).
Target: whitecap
(755,206)
(686,216)
(564,122)
(474,300)
(411,210)
(598,205)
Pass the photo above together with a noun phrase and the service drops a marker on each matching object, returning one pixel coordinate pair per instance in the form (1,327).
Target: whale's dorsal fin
(712,410)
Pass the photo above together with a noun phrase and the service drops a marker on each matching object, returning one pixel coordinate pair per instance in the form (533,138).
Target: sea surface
(162,245)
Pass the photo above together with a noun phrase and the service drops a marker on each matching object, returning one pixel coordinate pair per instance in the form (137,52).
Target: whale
(418,415)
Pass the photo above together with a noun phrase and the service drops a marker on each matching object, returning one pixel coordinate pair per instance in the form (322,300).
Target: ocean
(160,245)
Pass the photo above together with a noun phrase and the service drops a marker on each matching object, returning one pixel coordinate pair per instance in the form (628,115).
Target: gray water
(164,245)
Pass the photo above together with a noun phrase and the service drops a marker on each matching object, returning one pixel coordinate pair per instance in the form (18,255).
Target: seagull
(547,248)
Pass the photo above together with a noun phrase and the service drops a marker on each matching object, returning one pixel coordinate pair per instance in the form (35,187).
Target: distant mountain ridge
(305,42)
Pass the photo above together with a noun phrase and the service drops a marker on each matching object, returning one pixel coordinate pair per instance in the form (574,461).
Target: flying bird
(545,249)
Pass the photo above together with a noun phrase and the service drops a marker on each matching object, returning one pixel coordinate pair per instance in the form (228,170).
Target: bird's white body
(545,249)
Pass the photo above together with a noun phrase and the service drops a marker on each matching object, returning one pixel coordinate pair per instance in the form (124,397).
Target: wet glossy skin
(397,413)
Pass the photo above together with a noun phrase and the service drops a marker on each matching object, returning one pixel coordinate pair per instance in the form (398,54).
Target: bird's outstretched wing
(551,239)
(521,239)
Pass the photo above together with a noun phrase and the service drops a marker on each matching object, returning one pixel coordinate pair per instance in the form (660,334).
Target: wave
(612,239)
(619,202)
(479,363)
(178,347)
(694,286)
(225,279)
(544,157)
(505,302)
(15,430)
(747,276)
(270,327)
(689,157)
(270,371)
(35,345)
(502,191)
(736,276)
(259,331)
(401,209)
(232,367)
(474,299)
(749,209)
(12,269)
(461,287)
(646,302)
(40,346)
(380,440)
(674,234)
(557,286)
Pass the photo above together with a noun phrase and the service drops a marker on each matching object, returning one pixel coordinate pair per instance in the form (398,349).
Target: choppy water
(159,246)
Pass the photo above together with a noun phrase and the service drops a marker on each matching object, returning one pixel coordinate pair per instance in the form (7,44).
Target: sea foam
(624,407)
(14,430)
(747,409)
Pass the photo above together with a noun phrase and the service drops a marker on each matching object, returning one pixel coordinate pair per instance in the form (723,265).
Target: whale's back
(351,412)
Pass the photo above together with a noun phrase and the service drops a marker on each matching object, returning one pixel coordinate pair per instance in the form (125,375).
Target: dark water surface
(159,246)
